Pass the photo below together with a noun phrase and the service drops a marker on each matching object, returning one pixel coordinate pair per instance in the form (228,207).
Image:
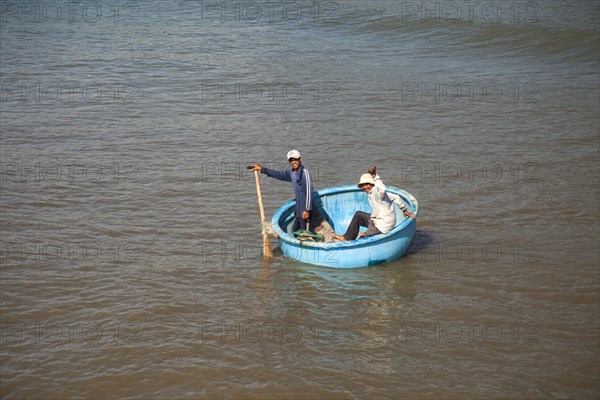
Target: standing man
(303,189)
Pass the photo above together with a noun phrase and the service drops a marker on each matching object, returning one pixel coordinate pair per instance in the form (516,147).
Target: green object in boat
(308,235)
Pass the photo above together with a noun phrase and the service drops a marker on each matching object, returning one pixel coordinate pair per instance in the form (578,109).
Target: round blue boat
(338,205)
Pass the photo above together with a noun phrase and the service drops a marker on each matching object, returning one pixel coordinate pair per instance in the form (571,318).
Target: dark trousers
(315,220)
(360,218)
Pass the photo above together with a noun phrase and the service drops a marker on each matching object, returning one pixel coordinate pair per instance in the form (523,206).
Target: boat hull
(338,205)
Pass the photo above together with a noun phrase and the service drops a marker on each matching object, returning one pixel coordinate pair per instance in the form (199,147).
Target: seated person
(382,218)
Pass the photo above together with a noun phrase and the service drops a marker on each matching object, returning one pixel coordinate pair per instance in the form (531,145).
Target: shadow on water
(421,241)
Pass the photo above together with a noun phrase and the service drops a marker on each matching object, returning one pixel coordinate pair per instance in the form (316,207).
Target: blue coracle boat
(338,205)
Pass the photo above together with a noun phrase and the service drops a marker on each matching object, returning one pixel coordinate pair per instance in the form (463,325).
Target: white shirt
(383,213)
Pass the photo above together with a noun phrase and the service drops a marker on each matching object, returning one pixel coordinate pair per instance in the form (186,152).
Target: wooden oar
(267,251)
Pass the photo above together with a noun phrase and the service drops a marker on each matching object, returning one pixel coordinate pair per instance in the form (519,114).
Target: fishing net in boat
(304,235)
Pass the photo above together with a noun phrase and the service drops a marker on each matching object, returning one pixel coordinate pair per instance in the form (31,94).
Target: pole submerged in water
(267,251)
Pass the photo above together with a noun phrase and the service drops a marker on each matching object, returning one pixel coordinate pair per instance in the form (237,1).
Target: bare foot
(339,237)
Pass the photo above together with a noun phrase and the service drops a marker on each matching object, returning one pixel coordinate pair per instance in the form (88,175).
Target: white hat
(293,154)
(366,178)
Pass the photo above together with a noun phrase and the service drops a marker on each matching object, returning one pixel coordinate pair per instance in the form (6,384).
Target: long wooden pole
(267,251)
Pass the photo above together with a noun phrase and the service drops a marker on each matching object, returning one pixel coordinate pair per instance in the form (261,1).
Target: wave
(567,43)
(524,38)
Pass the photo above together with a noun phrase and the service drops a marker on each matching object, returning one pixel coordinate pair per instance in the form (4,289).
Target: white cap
(366,178)
(293,154)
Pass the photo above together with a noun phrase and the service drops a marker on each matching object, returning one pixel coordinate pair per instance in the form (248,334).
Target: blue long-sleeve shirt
(303,187)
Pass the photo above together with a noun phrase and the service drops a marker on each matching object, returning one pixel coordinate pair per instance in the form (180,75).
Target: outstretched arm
(281,175)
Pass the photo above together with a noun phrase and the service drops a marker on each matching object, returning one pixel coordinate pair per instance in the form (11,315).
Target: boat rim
(413,207)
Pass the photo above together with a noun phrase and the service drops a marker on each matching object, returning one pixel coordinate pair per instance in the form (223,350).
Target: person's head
(294,158)
(366,182)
